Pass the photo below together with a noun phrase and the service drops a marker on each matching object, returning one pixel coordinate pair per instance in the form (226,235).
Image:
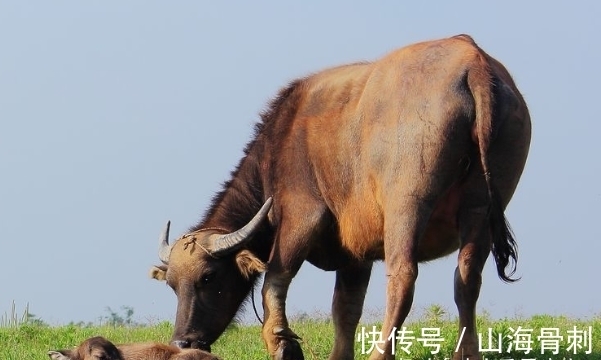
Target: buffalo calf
(99,348)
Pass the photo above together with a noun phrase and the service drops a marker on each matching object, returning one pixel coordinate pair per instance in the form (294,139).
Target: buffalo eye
(207,278)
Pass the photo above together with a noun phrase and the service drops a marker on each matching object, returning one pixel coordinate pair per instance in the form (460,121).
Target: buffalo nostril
(182,344)
(203,346)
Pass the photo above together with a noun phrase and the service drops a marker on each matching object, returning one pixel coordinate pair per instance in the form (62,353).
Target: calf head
(96,348)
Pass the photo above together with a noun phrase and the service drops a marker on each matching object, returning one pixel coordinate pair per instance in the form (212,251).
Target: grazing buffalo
(405,159)
(99,348)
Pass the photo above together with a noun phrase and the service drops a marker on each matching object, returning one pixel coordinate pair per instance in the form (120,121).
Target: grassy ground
(27,341)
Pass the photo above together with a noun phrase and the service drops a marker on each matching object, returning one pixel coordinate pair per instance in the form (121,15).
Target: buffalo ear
(157,272)
(59,355)
(249,264)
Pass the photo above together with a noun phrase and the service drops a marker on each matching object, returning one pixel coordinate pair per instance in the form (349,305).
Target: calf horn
(223,244)
(164,247)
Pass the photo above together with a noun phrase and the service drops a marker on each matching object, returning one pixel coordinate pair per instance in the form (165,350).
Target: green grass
(30,341)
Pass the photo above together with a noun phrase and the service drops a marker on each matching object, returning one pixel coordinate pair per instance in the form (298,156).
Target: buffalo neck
(239,201)
(251,183)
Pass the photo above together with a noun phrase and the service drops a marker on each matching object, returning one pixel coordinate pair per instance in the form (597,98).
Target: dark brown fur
(405,159)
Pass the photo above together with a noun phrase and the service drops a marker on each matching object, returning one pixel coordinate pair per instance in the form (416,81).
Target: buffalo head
(211,274)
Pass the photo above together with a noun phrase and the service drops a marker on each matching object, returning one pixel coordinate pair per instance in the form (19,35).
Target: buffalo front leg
(347,306)
(290,250)
(280,340)
(473,252)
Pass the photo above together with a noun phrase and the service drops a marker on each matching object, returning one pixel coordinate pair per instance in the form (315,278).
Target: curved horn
(164,247)
(220,244)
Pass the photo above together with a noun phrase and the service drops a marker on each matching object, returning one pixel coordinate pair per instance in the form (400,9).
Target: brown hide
(404,159)
(99,348)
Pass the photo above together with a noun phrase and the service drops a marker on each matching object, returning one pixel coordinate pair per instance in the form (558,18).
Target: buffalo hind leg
(347,306)
(401,237)
(473,252)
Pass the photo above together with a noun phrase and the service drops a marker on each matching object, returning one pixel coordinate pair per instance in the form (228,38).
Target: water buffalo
(404,159)
(99,348)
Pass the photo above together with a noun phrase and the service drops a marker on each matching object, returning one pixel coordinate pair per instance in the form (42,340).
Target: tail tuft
(504,246)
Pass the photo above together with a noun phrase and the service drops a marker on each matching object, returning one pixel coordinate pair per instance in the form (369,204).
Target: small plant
(14,320)
(124,319)
(435,313)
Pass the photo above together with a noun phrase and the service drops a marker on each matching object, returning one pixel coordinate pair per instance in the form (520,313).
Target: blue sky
(116,116)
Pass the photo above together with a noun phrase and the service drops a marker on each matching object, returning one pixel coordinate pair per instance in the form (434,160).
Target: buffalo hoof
(288,349)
